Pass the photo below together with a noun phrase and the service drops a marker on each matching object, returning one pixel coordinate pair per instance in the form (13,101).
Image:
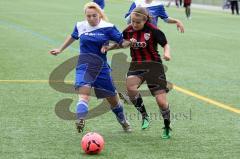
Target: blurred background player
(177,2)
(101,3)
(92,69)
(187,5)
(146,65)
(156,10)
(234,5)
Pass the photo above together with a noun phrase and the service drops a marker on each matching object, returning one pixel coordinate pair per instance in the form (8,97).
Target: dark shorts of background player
(153,73)
(187,4)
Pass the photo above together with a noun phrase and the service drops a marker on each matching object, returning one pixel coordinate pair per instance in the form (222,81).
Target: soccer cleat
(80,123)
(166,133)
(145,122)
(126,126)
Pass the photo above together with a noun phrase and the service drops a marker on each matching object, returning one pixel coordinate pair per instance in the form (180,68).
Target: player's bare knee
(84,97)
(132,88)
(132,92)
(163,104)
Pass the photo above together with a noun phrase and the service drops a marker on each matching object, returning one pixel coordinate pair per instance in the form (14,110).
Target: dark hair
(140,11)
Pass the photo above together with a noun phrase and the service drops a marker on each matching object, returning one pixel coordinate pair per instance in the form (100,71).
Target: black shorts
(153,73)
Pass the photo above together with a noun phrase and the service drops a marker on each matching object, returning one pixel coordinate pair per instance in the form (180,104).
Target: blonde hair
(93,5)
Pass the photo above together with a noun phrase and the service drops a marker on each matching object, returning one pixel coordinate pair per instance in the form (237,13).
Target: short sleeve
(162,13)
(115,35)
(130,9)
(159,37)
(75,33)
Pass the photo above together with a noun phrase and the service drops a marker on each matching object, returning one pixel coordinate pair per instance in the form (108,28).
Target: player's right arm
(127,16)
(164,16)
(69,40)
(114,46)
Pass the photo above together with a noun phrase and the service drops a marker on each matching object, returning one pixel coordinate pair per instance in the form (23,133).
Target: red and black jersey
(147,41)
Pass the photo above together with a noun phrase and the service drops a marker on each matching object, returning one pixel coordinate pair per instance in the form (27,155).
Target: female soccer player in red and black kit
(187,5)
(146,65)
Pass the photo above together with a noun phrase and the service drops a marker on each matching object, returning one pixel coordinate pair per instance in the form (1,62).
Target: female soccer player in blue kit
(92,69)
(156,10)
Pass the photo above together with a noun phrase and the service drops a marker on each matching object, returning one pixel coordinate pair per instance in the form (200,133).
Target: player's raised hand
(55,51)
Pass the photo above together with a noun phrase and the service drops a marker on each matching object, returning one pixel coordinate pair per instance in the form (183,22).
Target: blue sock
(118,111)
(82,109)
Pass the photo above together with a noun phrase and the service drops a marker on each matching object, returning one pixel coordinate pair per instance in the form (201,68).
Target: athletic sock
(166,116)
(138,103)
(82,109)
(118,111)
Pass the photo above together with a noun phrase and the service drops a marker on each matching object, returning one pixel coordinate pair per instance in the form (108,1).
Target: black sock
(138,103)
(166,116)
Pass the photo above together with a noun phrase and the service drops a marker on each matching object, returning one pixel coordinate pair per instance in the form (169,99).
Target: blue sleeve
(75,33)
(131,9)
(115,35)
(162,13)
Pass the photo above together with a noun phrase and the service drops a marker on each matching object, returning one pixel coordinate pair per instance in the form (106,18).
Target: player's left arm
(166,52)
(161,39)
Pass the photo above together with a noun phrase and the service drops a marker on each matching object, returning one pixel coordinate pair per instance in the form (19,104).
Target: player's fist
(133,41)
(167,56)
(104,49)
(55,51)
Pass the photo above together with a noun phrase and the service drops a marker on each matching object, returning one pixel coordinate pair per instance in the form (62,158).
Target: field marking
(205,99)
(35,81)
(177,88)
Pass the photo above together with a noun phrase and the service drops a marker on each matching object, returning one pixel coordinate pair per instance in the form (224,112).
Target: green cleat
(145,122)
(166,133)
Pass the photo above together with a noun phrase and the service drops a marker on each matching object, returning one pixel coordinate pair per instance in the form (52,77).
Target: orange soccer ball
(92,143)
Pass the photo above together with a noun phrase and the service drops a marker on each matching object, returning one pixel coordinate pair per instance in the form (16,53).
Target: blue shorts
(100,79)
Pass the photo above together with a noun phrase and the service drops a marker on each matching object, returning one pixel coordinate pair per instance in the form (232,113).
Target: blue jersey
(156,9)
(101,3)
(93,38)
